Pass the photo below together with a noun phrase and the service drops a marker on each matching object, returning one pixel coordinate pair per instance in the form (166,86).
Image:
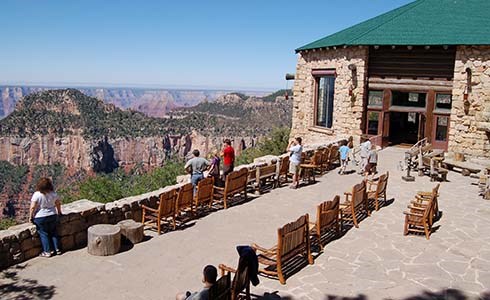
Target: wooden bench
(235,183)
(465,168)
(266,175)
(433,166)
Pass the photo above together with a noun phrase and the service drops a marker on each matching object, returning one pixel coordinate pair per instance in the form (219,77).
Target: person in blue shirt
(344,157)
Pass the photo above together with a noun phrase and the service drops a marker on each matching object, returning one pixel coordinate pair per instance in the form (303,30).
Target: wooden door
(440,131)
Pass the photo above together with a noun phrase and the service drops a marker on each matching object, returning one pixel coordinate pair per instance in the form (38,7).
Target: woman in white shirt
(45,208)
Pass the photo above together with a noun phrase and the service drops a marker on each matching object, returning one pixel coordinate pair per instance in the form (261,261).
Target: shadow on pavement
(14,287)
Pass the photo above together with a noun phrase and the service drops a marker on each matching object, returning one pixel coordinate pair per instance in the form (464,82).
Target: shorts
(293,168)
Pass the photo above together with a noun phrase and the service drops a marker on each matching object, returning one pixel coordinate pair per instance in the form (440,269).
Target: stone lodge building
(422,70)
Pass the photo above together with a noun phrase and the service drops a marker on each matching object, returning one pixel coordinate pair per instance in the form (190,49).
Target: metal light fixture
(467,91)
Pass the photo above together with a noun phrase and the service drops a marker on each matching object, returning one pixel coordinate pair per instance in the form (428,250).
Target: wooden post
(103,239)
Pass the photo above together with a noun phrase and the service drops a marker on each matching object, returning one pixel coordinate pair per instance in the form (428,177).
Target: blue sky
(216,44)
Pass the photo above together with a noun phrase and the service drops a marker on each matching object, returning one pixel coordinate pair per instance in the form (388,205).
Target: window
(373,122)
(324,105)
(375,99)
(408,99)
(443,102)
(441,128)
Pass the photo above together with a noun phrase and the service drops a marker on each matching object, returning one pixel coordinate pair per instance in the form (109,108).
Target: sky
(246,44)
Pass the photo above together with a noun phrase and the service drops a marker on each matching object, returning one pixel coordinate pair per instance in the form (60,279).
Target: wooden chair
(334,157)
(185,200)
(236,182)
(327,218)
(252,178)
(355,204)
(241,280)
(325,163)
(221,289)
(204,192)
(153,217)
(376,189)
(293,239)
(423,199)
(310,168)
(283,171)
(418,218)
(266,175)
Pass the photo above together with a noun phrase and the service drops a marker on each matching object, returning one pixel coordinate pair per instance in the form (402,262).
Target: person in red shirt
(228,154)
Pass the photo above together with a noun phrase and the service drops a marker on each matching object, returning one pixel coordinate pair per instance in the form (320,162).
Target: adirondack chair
(310,168)
(423,199)
(236,182)
(264,175)
(204,192)
(327,218)
(376,189)
(418,218)
(293,239)
(153,217)
(355,204)
(221,289)
(185,200)
(283,171)
(241,280)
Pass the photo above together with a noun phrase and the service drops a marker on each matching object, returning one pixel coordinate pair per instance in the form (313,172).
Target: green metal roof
(423,22)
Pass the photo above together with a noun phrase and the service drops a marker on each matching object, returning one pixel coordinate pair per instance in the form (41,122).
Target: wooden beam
(410,87)
(408,81)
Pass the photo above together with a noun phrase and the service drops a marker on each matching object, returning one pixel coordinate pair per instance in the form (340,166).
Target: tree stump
(104,239)
(131,230)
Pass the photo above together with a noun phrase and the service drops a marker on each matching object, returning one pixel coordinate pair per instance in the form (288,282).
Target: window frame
(317,75)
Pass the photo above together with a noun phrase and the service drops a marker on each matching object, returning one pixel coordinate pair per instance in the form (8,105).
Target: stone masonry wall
(21,242)
(469,132)
(347,115)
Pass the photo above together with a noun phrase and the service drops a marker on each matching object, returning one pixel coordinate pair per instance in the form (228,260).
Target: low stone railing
(21,242)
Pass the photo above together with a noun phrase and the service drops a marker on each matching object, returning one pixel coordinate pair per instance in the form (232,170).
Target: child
(344,157)
(372,161)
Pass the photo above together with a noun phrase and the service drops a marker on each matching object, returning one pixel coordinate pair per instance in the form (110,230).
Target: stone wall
(21,242)
(348,110)
(469,131)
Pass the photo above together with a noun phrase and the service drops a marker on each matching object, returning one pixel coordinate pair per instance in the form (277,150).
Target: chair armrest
(225,268)
(149,208)
(264,250)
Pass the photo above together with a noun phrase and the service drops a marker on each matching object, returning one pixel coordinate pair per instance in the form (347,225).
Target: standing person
(364,153)
(214,168)
(196,167)
(210,274)
(344,157)
(372,161)
(295,150)
(44,212)
(228,154)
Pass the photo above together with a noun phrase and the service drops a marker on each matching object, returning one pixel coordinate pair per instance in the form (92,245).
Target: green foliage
(272,97)
(6,223)
(12,177)
(119,184)
(274,144)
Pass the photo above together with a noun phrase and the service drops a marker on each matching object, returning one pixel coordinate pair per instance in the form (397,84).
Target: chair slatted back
(327,213)
(252,175)
(185,197)
(334,155)
(221,289)
(292,238)
(284,168)
(205,190)
(241,280)
(382,184)
(358,194)
(167,203)
(325,155)
(266,171)
(236,181)
(317,158)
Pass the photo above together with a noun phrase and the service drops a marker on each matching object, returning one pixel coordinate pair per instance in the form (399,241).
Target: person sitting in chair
(210,273)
